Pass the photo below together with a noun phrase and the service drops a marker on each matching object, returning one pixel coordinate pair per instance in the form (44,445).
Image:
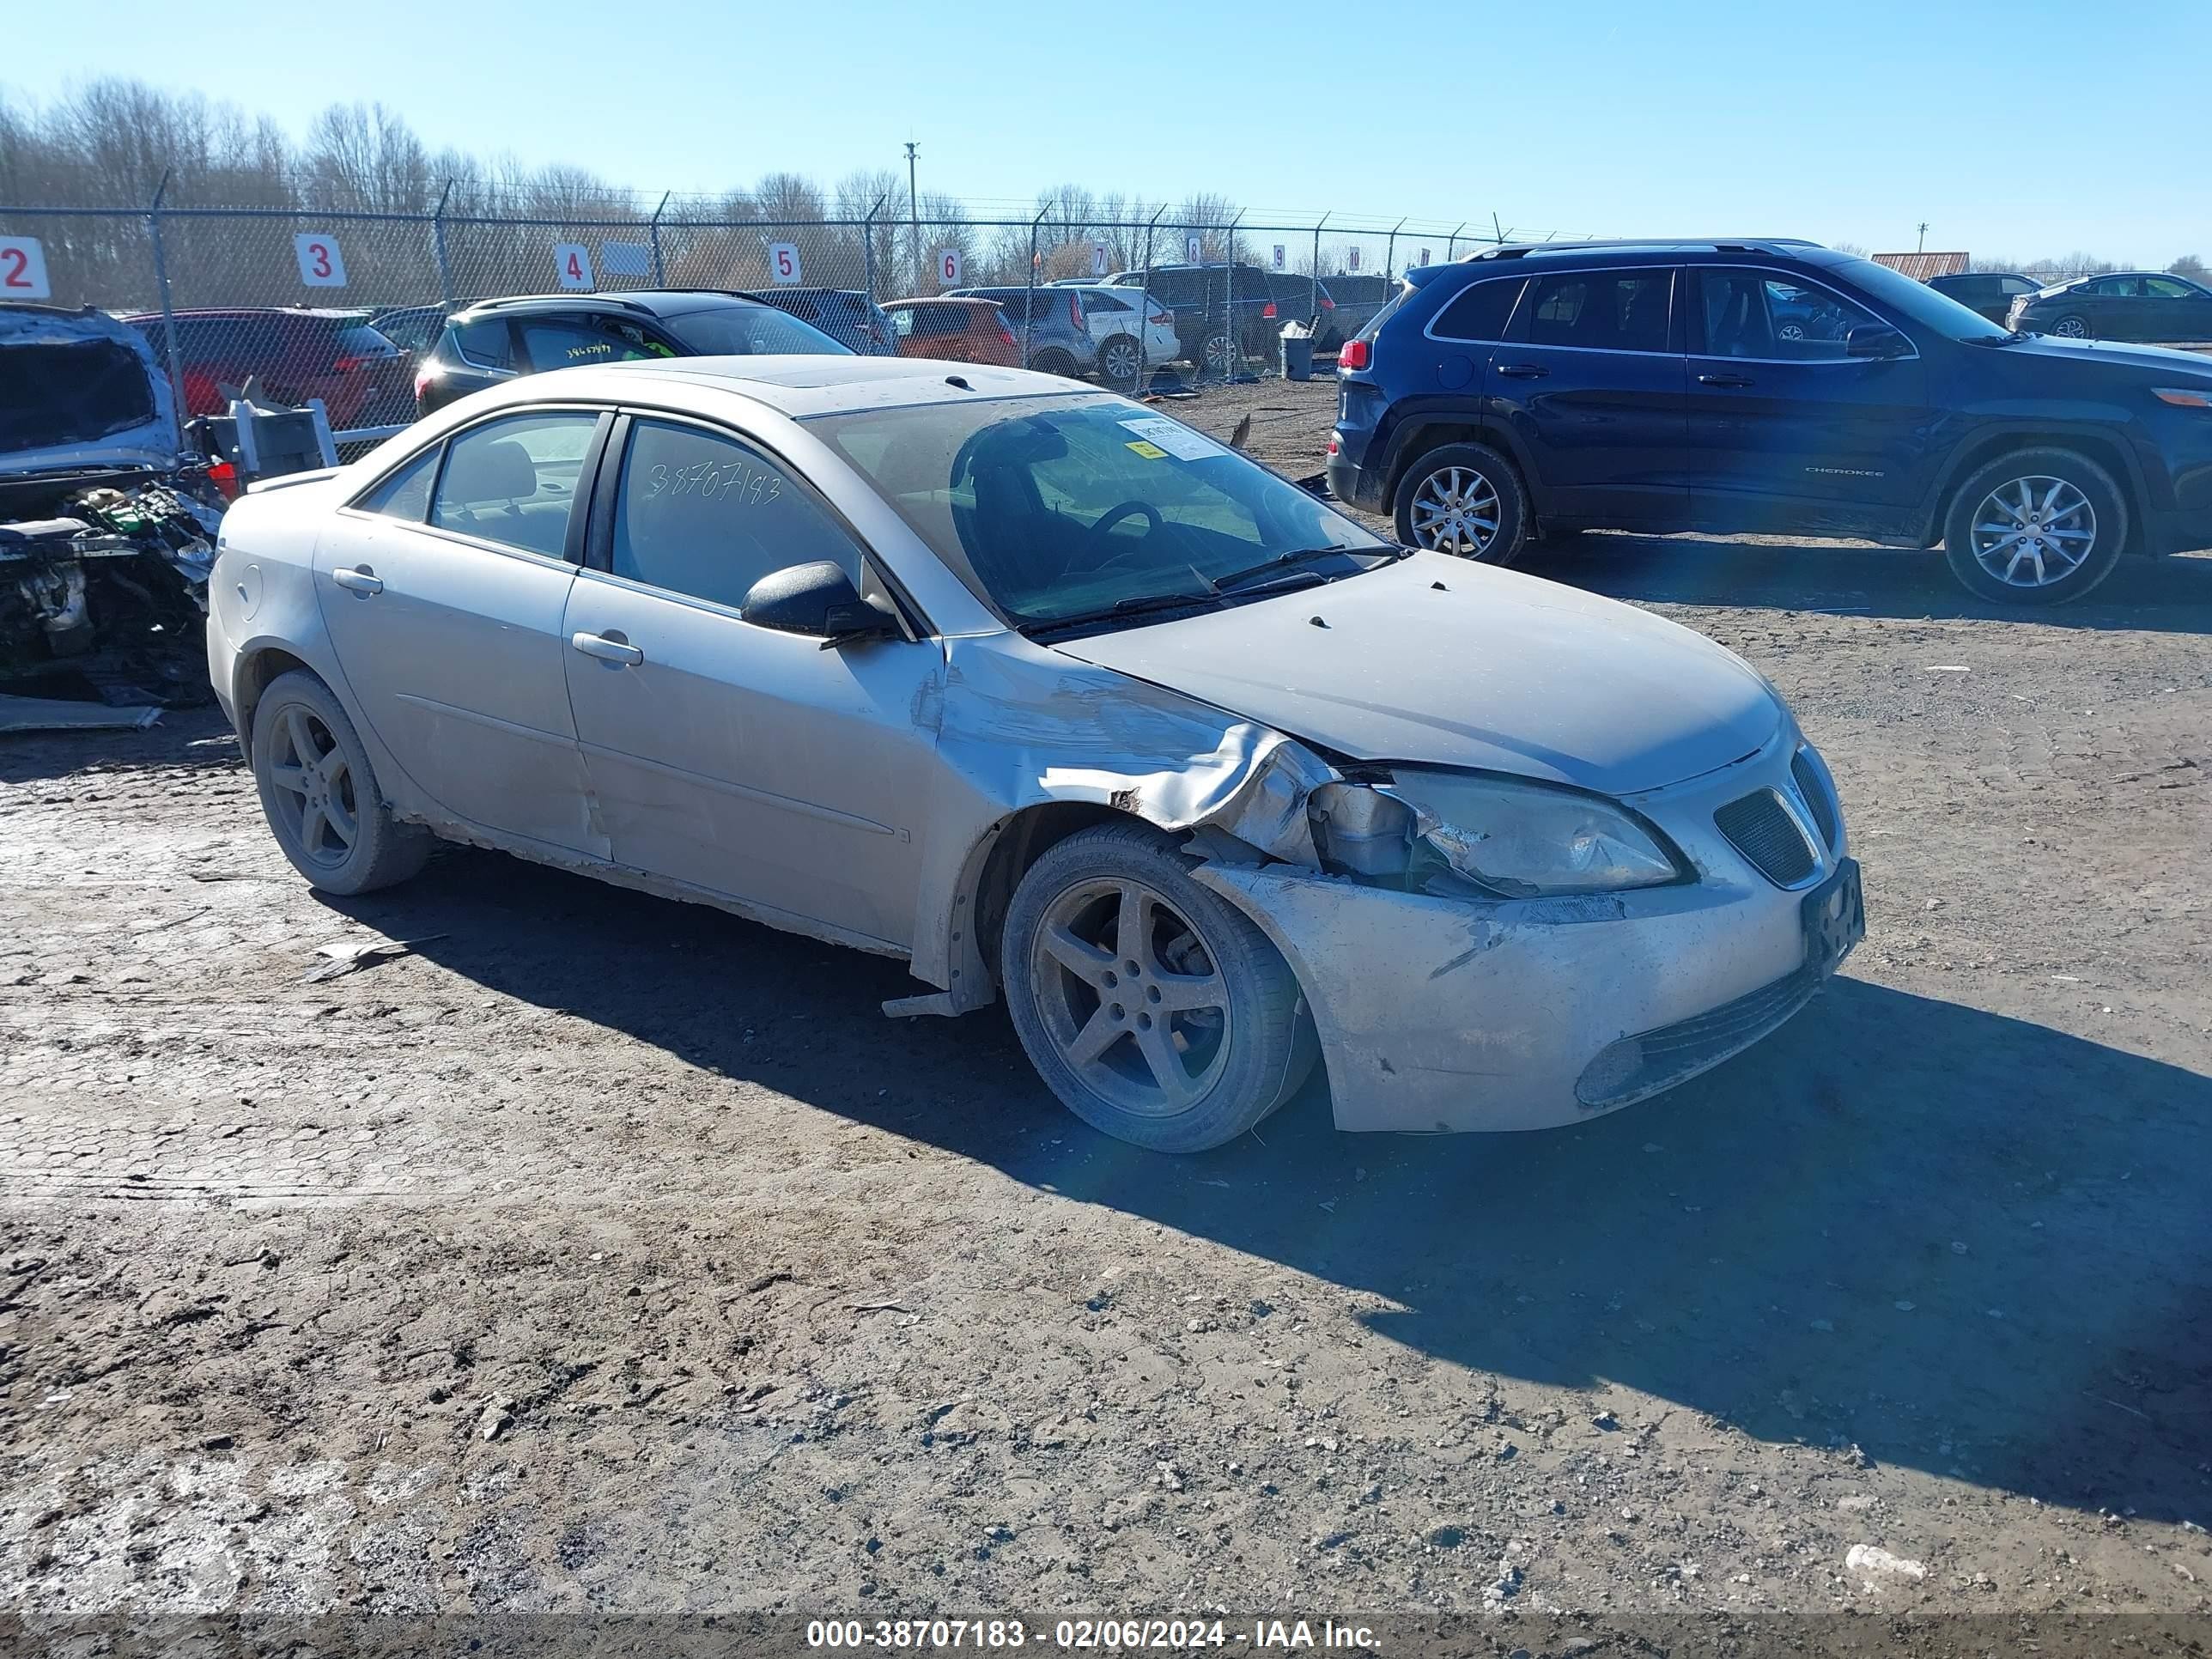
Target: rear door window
(567,342)
(515,481)
(1601,310)
(485,343)
(1480,313)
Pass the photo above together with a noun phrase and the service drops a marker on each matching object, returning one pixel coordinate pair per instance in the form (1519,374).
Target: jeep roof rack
(1687,244)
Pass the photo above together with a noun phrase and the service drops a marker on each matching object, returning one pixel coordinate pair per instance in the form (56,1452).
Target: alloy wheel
(1131,997)
(1455,510)
(312,775)
(2070,328)
(2030,533)
(1123,360)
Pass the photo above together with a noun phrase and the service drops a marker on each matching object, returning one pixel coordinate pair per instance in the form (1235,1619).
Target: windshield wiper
(1237,579)
(1135,606)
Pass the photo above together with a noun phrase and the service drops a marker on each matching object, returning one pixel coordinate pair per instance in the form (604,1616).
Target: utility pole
(914,212)
(1923,246)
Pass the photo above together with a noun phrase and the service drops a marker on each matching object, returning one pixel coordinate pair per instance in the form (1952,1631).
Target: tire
(297,713)
(1484,478)
(1215,354)
(1054,361)
(1122,361)
(2088,515)
(1254,1044)
(2072,326)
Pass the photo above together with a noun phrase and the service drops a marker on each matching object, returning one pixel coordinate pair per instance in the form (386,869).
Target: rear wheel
(2071,327)
(319,794)
(2040,526)
(1054,361)
(1156,1011)
(1465,500)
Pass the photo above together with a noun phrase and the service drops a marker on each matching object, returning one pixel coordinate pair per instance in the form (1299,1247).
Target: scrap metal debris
(349,955)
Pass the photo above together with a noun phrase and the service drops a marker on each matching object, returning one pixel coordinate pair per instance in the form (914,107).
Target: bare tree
(2188,266)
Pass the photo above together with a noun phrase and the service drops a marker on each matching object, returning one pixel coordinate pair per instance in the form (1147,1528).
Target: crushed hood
(1493,670)
(80,391)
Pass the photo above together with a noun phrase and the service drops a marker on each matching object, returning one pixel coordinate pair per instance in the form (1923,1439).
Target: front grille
(1821,804)
(1760,827)
(1636,1066)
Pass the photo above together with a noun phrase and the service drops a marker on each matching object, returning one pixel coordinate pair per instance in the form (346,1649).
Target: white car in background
(1134,332)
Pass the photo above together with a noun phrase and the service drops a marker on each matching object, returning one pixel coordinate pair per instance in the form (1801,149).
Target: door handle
(1724,380)
(607,650)
(1522,371)
(358,581)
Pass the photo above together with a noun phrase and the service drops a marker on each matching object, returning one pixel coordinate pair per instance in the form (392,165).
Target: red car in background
(363,379)
(956,330)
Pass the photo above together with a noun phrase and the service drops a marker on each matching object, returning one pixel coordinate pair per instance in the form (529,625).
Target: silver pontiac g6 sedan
(1058,701)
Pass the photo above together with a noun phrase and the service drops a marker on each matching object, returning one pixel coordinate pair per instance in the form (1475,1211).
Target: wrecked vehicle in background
(107,532)
(1058,701)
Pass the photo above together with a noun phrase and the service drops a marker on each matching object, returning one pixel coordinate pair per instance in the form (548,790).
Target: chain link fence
(337,305)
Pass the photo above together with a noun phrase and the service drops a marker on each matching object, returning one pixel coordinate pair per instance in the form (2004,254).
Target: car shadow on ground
(2168,596)
(1962,1243)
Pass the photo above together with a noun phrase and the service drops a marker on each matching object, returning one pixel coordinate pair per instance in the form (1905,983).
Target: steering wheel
(1112,516)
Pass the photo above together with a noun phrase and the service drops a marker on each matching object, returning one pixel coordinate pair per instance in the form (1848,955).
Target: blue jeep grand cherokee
(1764,386)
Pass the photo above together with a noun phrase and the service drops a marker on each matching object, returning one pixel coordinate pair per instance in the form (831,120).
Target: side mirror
(817,600)
(1876,340)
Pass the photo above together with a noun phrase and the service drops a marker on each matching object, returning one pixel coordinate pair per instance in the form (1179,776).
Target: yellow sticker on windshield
(1150,452)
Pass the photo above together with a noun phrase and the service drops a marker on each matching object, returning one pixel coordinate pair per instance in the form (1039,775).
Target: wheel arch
(1416,435)
(2105,449)
(994,867)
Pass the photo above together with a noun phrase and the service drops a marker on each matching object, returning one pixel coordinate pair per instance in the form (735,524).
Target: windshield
(1919,302)
(1054,508)
(749,331)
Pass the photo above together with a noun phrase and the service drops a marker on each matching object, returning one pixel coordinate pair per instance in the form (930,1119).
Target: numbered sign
(23,269)
(572,264)
(1193,249)
(321,265)
(1281,261)
(1098,259)
(783,263)
(1355,259)
(1424,256)
(948,267)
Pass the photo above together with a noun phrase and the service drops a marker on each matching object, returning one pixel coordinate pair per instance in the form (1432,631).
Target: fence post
(438,247)
(168,306)
(659,275)
(1315,302)
(1029,305)
(1232,335)
(1144,334)
(868,244)
(1451,242)
(1390,251)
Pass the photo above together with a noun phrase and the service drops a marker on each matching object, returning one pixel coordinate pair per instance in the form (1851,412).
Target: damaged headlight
(1517,838)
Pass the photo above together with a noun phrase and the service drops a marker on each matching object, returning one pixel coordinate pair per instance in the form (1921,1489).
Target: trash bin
(1298,352)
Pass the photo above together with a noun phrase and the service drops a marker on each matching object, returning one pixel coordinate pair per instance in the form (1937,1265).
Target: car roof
(651,302)
(942,299)
(797,386)
(323,312)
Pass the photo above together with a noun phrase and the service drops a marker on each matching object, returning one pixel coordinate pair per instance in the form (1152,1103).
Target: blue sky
(2029,127)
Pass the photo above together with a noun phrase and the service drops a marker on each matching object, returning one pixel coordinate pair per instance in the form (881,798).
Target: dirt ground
(607,1253)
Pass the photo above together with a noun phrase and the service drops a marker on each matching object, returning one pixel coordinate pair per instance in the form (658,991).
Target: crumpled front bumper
(1443,1014)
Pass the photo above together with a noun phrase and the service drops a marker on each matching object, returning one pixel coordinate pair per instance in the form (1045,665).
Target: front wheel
(1122,361)
(1465,500)
(2040,526)
(1155,1010)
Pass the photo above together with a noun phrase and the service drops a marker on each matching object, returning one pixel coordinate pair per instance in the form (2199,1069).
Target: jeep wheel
(1465,500)
(2040,526)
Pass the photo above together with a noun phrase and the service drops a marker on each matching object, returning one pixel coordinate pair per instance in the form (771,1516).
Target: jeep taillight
(1354,354)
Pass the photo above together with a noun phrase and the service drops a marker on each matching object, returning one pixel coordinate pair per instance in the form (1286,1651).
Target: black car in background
(1987,293)
(495,340)
(1215,305)
(1680,386)
(2128,305)
(846,314)
(1358,298)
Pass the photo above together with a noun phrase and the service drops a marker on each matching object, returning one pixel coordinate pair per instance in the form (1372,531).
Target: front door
(2171,309)
(736,759)
(1787,431)
(444,591)
(1591,380)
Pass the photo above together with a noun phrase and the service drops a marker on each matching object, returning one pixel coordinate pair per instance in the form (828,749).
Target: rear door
(1786,430)
(1591,382)
(443,589)
(742,761)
